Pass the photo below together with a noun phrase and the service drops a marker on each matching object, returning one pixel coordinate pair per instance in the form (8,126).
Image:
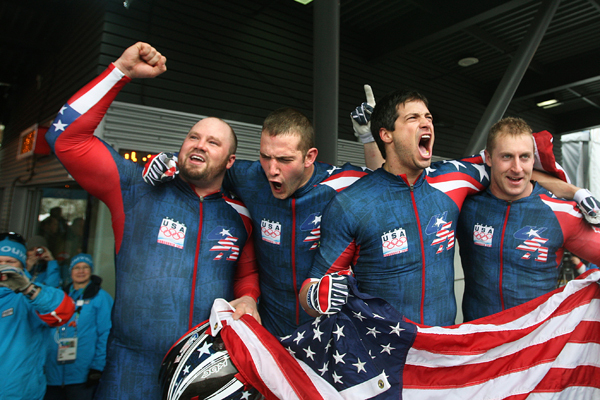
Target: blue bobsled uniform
(24,327)
(512,251)
(399,238)
(175,252)
(289,234)
(90,324)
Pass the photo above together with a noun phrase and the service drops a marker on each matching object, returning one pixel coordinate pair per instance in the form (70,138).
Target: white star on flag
(339,358)
(324,369)
(387,348)
(396,329)
(317,333)
(336,378)
(339,332)
(359,315)
(299,337)
(372,331)
(360,366)
(309,353)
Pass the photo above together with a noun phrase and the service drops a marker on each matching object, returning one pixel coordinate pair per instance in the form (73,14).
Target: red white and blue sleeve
(580,238)
(245,282)
(87,158)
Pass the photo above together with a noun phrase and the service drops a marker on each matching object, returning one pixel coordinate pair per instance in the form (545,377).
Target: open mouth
(514,179)
(276,185)
(425,145)
(198,158)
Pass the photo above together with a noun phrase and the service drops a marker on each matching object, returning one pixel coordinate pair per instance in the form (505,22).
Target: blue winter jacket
(90,324)
(24,327)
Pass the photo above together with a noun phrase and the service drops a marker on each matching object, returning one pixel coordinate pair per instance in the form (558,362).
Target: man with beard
(286,192)
(170,259)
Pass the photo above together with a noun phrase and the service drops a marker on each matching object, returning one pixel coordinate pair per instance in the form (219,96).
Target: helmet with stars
(199,367)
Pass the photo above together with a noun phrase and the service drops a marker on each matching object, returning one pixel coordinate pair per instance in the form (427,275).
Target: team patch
(172,233)
(270,231)
(394,242)
(483,235)
(312,224)
(532,243)
(225,243)
(444,235)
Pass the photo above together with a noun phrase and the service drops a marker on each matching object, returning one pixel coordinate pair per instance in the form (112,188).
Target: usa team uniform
(175,252)
(399,238)
(512,251)
(287,234)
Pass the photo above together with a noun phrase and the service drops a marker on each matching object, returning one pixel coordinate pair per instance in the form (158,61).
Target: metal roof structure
(564,66)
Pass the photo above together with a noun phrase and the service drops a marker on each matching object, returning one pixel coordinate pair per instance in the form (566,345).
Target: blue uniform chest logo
(483,235)
(312,225)
(226,243)
(172,233)
(532,243)
(270,231)
(394,242)
(444,235)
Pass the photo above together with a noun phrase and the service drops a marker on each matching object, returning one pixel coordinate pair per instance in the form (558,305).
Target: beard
(201,175)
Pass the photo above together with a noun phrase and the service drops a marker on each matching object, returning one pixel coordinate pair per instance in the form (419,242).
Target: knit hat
(36,241)
(13,249)
(82,257)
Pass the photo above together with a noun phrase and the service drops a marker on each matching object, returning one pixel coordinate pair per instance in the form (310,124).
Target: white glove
(329,294)
(361,117)
(589,206)
(13,278)
(160,168)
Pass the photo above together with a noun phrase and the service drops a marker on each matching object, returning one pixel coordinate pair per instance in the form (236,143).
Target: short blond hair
(510,126)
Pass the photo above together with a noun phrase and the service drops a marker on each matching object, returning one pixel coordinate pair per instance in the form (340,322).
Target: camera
(39,251)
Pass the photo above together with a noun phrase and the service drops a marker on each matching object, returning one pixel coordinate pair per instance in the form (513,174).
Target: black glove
(93,377)
(330,293)
(160,168)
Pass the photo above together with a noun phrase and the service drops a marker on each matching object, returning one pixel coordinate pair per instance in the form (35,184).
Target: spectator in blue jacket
(75,375)
(28,310)
(41,263)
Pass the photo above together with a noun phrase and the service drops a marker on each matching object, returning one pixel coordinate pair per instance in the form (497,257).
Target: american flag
(548,348)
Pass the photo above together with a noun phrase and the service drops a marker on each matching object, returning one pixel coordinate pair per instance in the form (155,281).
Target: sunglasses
(15,237)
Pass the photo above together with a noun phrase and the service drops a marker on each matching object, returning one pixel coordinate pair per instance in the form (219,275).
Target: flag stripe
(263,361)
(547,347)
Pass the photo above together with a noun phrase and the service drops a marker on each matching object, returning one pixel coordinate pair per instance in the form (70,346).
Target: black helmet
(198,367)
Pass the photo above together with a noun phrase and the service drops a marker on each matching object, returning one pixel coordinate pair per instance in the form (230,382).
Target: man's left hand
(245,305)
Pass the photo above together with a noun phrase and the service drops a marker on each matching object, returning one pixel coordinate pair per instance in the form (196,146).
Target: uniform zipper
(501,255)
